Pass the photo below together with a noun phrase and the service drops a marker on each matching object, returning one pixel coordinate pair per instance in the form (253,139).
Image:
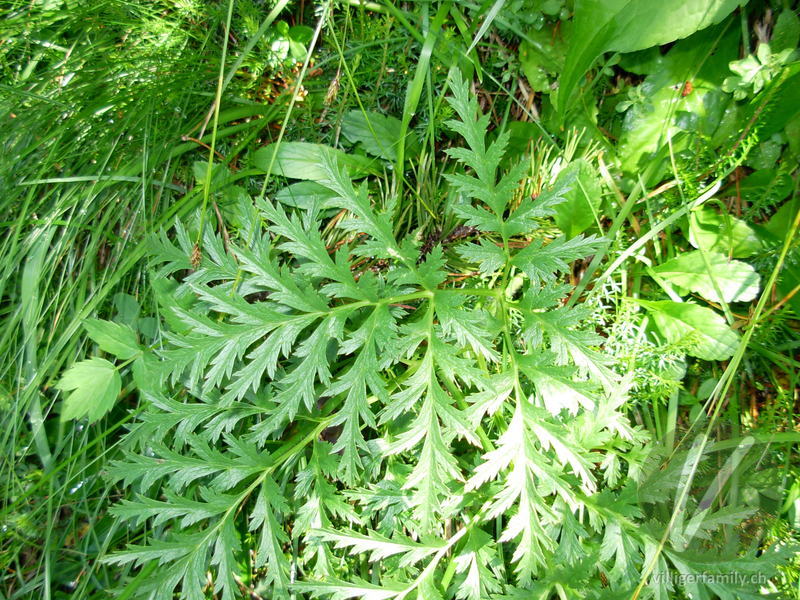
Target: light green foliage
(753,72)
(399,374)
(302,160)
(656,368)
(722,233)
(579,210)
(665,111)
(712,275)
(403,366)
(305,194)
(116,339)
(541,57)
(464,439)
(276,50)
(94,385)
(711,338)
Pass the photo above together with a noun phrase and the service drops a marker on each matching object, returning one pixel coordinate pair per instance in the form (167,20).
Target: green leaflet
(663,114)
(541,56)
(93,387)
(306,194)
(95,383)
(766,187)
(722,233)
(786,33)
(581,203)
(302,160)
(119,340)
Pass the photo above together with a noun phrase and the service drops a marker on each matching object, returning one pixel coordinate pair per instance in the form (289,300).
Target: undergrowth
(371,300)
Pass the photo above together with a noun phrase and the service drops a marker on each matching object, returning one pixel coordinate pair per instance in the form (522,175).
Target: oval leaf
(301,160)
(306,194)
(737,281)
(577,212)
(722,233)
(714,340)
(378,134)
(114,338)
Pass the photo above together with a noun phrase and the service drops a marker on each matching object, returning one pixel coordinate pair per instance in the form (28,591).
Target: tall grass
(101,103)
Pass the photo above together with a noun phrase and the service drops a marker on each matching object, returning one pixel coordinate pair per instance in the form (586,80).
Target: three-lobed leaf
(93,387)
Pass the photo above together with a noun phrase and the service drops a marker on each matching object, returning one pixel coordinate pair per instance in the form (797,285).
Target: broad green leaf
(94,385)
(774,231)
(786,32)
(713,339)
(306,194)
(148,372)
(378,134)
(577,212)
(725,234)
(737,281)
(114,338)
(777,104)
(301,34)
(662,110)
(303,160)
(764,157)
(630,25)
(639,24)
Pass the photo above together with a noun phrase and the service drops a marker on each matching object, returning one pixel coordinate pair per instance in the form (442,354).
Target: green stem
(215,125)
